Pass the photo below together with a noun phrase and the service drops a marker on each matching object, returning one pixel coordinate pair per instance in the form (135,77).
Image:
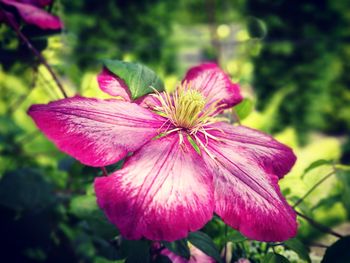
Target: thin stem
(104,171)
(313,188)
(26,41)
(319,226)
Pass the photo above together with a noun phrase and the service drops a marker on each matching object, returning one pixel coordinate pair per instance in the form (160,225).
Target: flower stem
(26,41)
(104,171)
(313,188)
(319,226)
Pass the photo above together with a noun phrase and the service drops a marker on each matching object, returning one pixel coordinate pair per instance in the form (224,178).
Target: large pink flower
(31,12)
(186,165)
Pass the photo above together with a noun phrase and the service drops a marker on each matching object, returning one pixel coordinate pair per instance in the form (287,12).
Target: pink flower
(187,163)
(196,256)
(31,12)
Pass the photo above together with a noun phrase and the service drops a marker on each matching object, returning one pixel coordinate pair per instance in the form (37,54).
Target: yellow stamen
(186,108)
(188,105)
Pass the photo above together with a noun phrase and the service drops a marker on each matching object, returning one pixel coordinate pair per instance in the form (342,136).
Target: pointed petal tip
(215,84)
(94,131)
(113,85)
(153,195)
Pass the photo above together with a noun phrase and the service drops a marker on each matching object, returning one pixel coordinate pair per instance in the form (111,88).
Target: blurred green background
(291,58)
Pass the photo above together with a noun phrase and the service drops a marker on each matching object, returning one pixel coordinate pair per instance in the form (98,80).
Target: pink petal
(197,256)
(149,101)
(247,195)
(214,84)
(96,132)
(162,193)
(113,85)
(40,3)
(274,157)
(35,16)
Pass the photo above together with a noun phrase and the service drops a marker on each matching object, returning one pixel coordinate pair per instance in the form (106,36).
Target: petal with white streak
(214,84)
(94,131)
(245,169)
(163,192)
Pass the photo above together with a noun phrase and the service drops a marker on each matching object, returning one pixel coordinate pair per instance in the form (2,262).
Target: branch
(313,188)
(319,226)
(26,41)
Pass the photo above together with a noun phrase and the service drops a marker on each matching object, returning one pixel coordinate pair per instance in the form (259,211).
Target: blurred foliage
(136,30)
(296,55)
(306,48)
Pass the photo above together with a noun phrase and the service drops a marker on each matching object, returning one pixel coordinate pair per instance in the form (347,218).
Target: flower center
(188,104)
(185,108)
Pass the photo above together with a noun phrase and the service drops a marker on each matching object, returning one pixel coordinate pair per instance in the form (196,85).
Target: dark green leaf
(244,108)
(139,78)
(136,251)
(256,28)
(25,189)
(203,242)
(297,246)
(316,164)
(179,247)
(275,258)
(162,259)
(339,252)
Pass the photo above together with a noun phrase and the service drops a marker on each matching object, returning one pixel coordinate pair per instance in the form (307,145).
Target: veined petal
(96,132)
(113,85)
(35,16)
(163,191)
(149,101)
(214,84)
(273,156)
(247,195)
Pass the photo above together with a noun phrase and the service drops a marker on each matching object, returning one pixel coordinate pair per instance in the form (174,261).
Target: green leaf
(316,164)
(85,208)
(274,258)
(139,78)
(344,178)
(297,246)
(244,108)
(328,202)
(235,237)
(179,247)
(203,242)
(339,252)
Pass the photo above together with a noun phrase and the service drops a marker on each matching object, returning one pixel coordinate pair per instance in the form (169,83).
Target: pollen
(186,108)
(188,105)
